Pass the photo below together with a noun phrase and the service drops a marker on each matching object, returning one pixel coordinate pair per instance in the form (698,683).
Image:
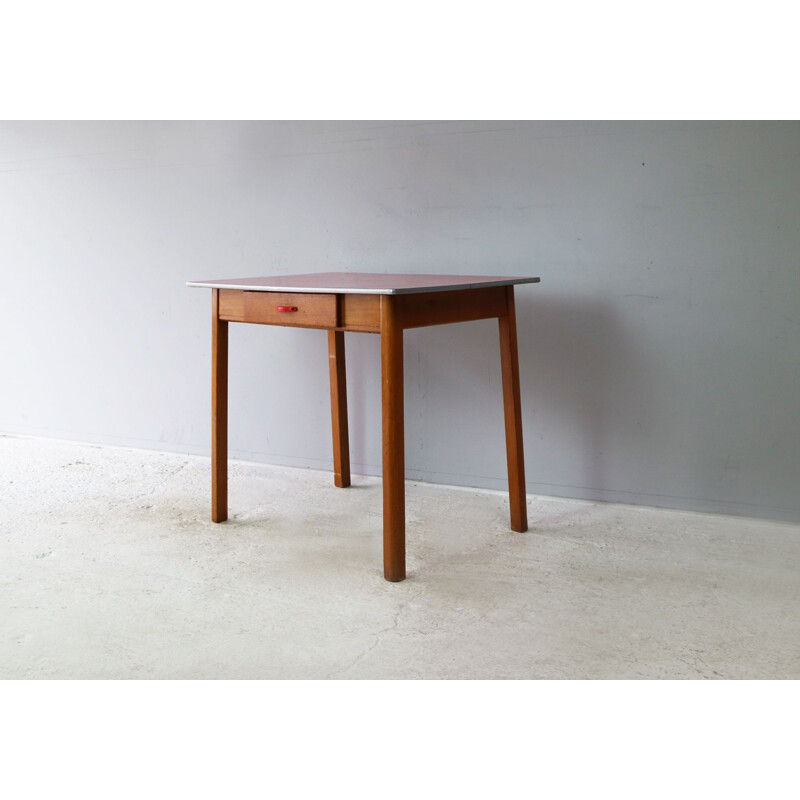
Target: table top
(361,283)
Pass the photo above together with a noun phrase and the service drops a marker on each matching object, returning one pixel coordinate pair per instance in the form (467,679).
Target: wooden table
(340,302)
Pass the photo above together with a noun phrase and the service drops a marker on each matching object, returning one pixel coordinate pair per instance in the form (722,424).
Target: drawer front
(298,309)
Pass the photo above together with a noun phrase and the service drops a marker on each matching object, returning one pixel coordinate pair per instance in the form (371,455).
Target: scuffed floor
(112,569)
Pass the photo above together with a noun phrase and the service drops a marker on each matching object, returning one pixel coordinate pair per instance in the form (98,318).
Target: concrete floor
(112,569)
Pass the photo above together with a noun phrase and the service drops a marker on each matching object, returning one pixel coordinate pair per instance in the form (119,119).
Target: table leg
(219,414)
(512,408)
(394,500)
(341,441)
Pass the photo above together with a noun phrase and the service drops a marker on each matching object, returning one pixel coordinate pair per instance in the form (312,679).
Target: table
(385,304)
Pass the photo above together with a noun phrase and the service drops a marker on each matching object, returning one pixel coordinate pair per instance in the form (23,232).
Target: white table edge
(335,290)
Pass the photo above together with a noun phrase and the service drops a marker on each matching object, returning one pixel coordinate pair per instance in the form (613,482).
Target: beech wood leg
(219,414)
(512,409)
(341,441)
(394,500)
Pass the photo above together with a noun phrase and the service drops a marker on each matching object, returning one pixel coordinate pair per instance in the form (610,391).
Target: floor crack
(153,489)
(377,638)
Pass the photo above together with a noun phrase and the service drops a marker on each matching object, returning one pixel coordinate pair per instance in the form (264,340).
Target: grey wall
(659,355)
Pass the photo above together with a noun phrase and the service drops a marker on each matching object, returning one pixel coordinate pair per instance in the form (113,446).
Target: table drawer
(298,309)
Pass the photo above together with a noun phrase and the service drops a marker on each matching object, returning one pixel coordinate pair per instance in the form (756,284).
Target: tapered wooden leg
(513,415)
(394,495)
(219,414)
(341,441)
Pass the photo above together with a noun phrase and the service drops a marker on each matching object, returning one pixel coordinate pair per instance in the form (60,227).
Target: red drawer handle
(287,308)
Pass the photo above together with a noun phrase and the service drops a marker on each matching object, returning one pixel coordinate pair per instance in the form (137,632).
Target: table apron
(441,308)
(360,312)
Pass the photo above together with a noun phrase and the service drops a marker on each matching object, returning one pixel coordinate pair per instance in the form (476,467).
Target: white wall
(659,355)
